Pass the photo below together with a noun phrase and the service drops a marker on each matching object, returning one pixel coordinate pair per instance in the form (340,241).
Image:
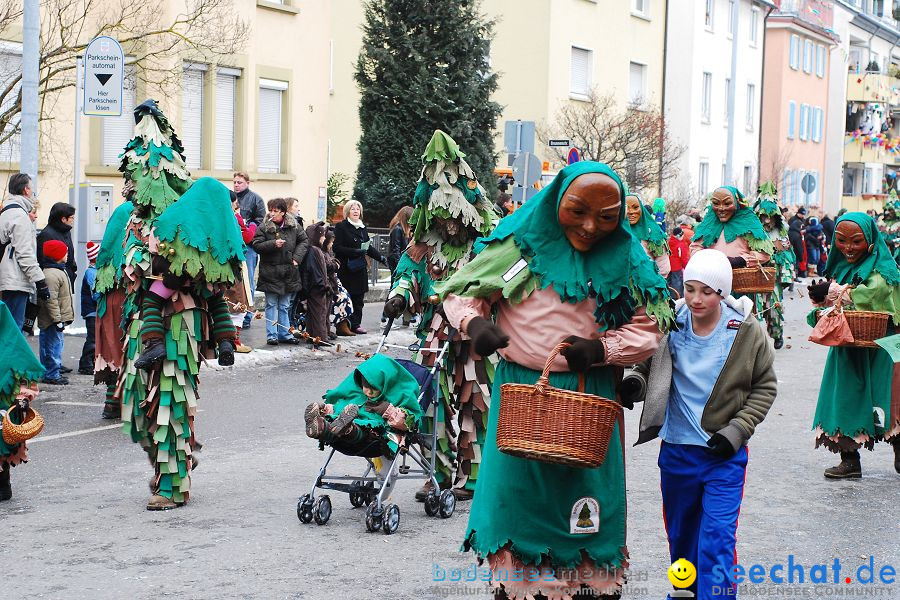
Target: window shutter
(580,78)
(268,145)
(118,131)
(192,116)
(226,90)
(804,121)
(792,116)
(637,82)
(10,66)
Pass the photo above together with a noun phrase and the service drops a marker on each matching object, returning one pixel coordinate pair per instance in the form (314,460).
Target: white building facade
(709,90)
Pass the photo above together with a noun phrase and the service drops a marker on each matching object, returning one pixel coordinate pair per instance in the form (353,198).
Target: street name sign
(104,74)
(558,143)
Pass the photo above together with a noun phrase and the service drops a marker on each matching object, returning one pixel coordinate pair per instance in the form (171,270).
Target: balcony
(873,87)
(855,151)
(863,202)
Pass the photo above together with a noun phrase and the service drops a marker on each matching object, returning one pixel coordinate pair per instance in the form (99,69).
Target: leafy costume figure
(543,273)
(19,370)
(891,225)
(182,249)
(451,210)
(770,307)
(859,396)
(643,226)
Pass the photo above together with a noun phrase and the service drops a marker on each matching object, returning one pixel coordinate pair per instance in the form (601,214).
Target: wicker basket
(31,425)
(753,280)
(866,327)
(551,425)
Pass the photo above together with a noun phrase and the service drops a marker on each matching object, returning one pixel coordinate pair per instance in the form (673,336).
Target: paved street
(77,528)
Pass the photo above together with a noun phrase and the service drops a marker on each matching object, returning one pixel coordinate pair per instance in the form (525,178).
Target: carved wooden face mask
(589,210)
(723,204)
(452,231)
(851,241)
(633,209)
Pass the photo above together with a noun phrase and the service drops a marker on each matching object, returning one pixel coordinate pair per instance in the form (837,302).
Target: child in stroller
(369,412)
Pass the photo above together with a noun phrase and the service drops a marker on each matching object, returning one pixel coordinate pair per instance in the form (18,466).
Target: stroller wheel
(432,504)
(357,499)
(373,518)
(391,519)
(304,509)
(322,510)
(447,504)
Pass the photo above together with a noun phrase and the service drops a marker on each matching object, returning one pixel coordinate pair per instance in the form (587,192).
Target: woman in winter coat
(795,235)
(281,245)
(59,227)
(351,246)
(400,233)
(341,306)
(316,283)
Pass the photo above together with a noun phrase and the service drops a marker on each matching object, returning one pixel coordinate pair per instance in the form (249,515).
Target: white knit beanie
(710,267)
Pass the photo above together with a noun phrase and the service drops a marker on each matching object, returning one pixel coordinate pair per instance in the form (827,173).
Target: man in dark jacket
(795,235)
(253,210)
(828,228)
(59,227)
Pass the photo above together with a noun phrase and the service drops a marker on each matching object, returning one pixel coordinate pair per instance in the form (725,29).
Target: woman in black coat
(59,227)
(795,235)
(351,246)
(317,284)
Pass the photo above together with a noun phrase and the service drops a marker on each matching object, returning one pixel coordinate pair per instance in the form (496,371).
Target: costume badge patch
(514,270)
(734,324)
(585,516)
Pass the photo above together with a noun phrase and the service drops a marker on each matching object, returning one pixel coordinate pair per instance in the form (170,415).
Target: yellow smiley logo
(682,573)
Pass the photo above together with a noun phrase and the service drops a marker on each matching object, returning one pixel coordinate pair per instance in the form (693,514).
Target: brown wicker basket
(16,433)
(544,423)
(866,327)
(753,280)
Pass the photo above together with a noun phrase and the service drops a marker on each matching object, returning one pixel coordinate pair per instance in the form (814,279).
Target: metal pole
(31,44)
(525,179)
(80,231)
(76,171)
(732,85)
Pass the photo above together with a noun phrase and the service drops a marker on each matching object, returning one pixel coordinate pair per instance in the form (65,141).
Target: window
(268,147)
(706,100)
(792,116)
(794,56)
(10,66)
(754,26)
(731,16)
(708,19)
(748,180)
(786,186)
(804,121)
(226,102)
(580,84)
(727,98)
(817,121)
(118,131)
(641,8)
(637,77)
(807,56)
(751,106)
(820,60)
(192,114)
(703,179)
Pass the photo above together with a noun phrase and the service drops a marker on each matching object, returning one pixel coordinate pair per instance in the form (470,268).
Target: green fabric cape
(615,266)
(744,223)
(17,362)
(878,260)
(397,386)
(648,230)
(203,232)
(111,257)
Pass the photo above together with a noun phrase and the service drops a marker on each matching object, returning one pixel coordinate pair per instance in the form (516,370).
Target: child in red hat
(56,312)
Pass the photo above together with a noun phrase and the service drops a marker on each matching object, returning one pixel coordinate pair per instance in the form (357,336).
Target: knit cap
(93,249)
(55,250)
(710,267)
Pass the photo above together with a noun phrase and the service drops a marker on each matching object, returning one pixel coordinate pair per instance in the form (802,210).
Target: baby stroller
(372,488)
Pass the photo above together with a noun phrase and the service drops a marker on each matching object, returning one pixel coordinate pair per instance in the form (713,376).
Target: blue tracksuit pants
(701,502)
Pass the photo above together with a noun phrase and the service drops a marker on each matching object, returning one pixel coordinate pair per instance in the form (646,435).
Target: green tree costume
(857,404)
(770,307)
(18,368)
(192,227)
(890,229)
(448,191)
(525,506)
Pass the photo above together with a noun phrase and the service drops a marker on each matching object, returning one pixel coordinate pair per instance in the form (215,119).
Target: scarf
(356,223)
(744,223)
(648,230)
(879,259)
(17,362)
(615,266)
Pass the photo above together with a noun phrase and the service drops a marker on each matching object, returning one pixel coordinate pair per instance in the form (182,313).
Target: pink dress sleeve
(695,248)
(461,309)
(634,342)
(663,264)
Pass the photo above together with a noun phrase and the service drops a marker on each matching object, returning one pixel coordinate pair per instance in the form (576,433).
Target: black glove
(43,292)
(486,337)
(720,446)
(393,308)
(60,326)
(629,391)
(737,262)
(582,353)
(818,291)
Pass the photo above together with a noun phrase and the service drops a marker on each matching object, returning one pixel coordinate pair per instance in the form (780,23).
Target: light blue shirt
(696,364)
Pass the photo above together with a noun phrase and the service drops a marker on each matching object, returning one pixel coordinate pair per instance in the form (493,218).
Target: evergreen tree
(423,66)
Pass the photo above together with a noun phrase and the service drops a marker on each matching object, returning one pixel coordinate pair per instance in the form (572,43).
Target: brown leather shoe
(344,329)
(848,468)
(158,502)
(463,494)
(424,491)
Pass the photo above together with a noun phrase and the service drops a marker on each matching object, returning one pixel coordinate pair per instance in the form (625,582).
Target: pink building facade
(798,52)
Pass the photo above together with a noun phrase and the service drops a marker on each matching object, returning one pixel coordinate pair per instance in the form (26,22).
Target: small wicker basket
(552,425)
(866,327)
(753,280)
(16,433)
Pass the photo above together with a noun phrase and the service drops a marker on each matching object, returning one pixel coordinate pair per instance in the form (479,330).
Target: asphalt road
(76,526)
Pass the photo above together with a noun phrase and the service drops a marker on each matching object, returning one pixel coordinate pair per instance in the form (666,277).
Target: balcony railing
(857,151)
(873,87)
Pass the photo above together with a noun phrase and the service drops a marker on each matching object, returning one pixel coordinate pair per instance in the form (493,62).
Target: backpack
(3,245)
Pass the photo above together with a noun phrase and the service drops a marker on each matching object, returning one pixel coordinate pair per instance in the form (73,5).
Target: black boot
(152,355)
(5,487)
(779,342)
(226,353)
(896,445)
(849,467)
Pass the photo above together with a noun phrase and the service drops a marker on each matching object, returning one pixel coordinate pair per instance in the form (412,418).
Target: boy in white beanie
(705,390)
